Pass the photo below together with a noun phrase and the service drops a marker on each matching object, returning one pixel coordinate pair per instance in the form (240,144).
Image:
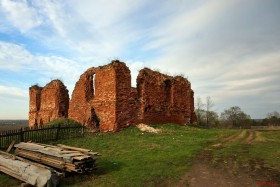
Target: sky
(229,50)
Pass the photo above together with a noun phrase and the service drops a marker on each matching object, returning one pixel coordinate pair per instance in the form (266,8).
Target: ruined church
(104,99)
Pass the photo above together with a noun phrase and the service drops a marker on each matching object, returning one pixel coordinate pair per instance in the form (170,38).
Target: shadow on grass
(104,167)
(6,180)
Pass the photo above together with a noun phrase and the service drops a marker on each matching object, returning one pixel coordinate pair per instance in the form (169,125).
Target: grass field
(135,158)
(255,152)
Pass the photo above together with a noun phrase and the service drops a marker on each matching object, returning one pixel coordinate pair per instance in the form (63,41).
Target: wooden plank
(27,171)
(93,153)
(72,154)
(73,148)
(65,152)
(58,157)
(11,146)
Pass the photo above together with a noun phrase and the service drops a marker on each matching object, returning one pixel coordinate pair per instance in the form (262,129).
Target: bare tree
(213,119)
(272,118)
(274,114)
(235,117)
(209,105)
(199,109)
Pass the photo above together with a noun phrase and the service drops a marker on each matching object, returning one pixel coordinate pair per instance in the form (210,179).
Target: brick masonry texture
(164,99)
(48,103)
(104,99)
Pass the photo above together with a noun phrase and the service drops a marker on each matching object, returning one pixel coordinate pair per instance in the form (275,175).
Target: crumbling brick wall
(34,104)
(79,108)
(104,99)
(48,103)
(163,99)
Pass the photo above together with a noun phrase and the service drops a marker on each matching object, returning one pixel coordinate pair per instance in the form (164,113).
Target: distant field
(12,124)
(135,158)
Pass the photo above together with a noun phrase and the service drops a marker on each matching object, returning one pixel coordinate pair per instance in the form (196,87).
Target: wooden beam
(73,148)
(11,146)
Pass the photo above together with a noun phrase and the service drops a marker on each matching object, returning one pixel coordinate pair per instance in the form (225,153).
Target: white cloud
(135,67)
(184,25)
(223,47)
(14,57)
(55,15)
(13,92)
(102,14)
(17,59)
(14,103)
(92,28)
(21,15)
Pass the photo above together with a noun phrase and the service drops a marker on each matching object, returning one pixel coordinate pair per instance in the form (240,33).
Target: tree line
(233,117)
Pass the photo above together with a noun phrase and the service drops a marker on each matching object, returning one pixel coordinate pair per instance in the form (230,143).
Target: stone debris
(147,128)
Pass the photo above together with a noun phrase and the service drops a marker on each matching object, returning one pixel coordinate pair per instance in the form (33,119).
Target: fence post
(57,132)
(21,135)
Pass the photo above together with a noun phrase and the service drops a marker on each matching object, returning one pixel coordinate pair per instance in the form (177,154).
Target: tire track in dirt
(203,174)
(226,139)
(250,137)
(232,138)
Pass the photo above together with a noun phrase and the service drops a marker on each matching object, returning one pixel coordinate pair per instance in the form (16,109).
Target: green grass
(264,147)
(8,181)
(135,158)
(269,150)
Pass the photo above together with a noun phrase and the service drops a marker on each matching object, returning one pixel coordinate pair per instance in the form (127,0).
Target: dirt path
(227,172)
(235,137)
(232,137)
(249,138)
(203,174)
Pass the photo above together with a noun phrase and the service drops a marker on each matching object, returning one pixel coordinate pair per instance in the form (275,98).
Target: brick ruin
(47,103)
(104,99)
(164,99)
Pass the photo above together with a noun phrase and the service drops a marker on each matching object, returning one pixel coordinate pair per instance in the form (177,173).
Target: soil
(227,172)
(249,138)
(203,174)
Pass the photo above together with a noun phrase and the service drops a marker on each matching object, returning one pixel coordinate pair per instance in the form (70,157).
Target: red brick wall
(152,93)
(163,99)
(48,103)
(79,108)
(103,98)
(112,90)
(181,100)
(124,97)
(104,101)
(34,104)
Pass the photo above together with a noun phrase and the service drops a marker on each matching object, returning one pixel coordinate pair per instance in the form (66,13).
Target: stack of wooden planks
(27,171)
(62,157)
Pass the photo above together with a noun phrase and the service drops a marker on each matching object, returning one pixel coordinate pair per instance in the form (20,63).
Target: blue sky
(229,50)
